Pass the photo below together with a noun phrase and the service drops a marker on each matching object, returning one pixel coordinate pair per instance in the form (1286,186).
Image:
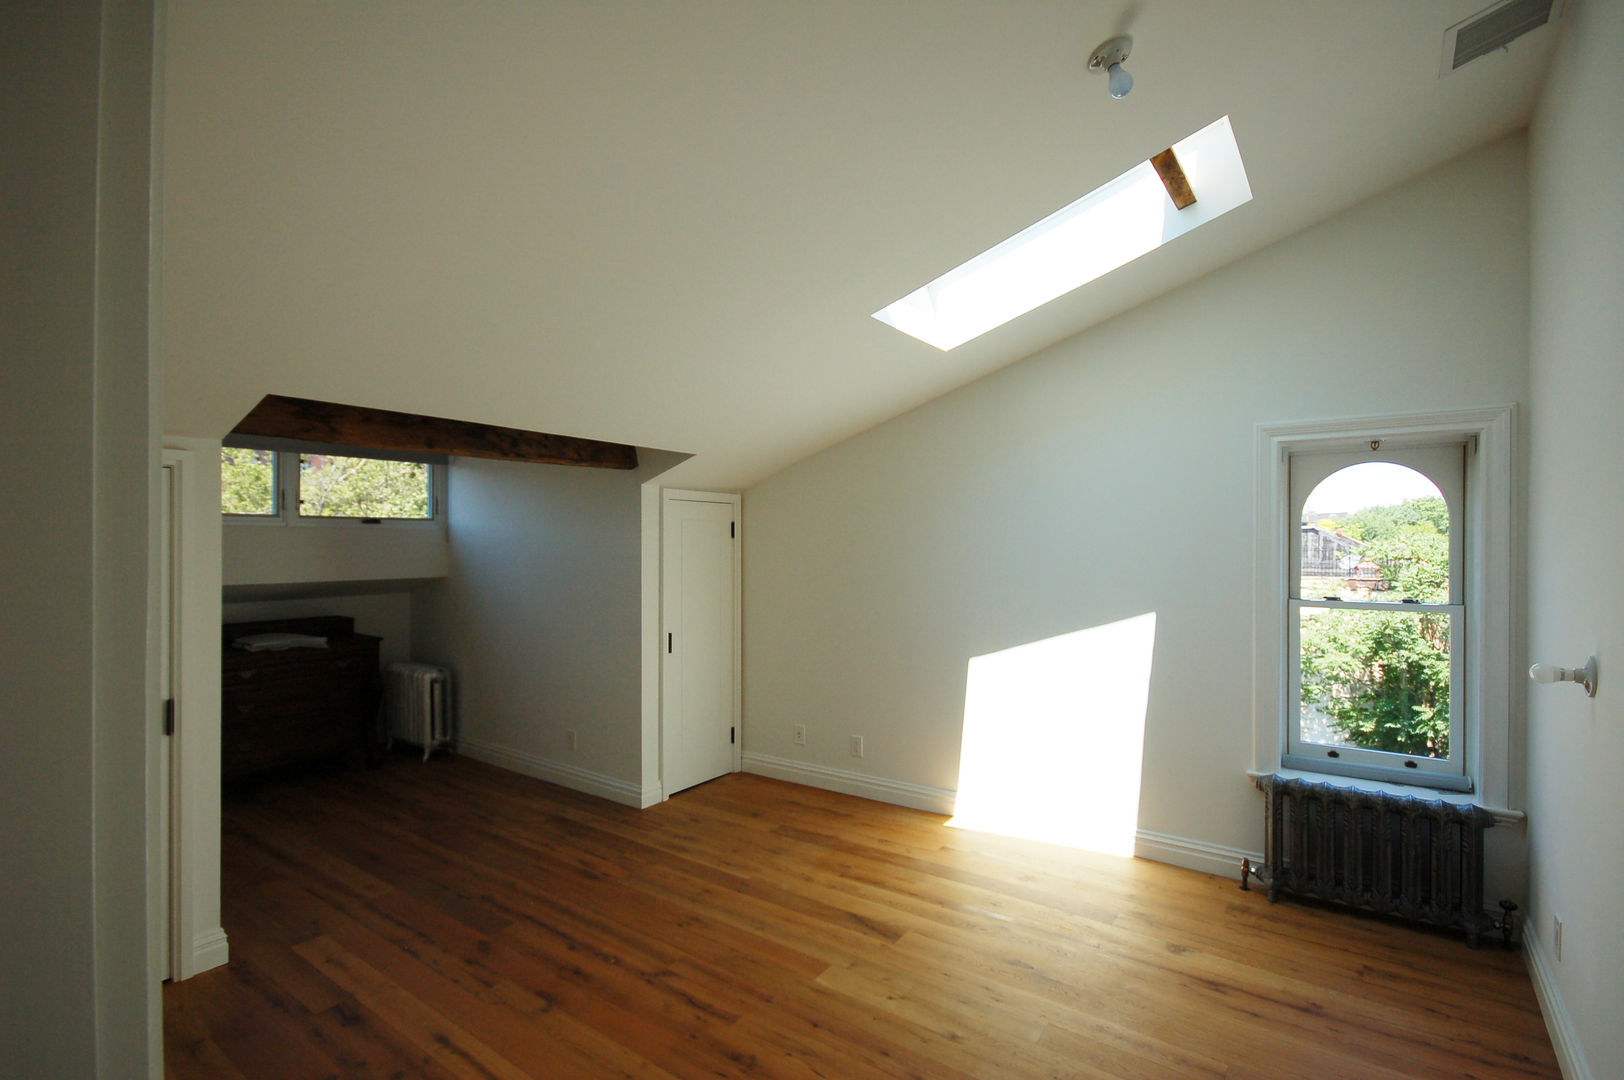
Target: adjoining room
(784,540)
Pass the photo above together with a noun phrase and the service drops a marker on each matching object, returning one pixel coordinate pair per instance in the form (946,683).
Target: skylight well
(1109,227)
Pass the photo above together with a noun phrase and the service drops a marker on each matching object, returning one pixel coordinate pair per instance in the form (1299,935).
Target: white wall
(385,615)
(271,553)
(1576,514)
(1111,476)
(78,435)
(540,617)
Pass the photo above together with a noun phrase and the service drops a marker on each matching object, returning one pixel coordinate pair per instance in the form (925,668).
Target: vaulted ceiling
(667,224)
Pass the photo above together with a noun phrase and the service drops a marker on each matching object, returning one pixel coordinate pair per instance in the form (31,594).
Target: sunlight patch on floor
(1054,735)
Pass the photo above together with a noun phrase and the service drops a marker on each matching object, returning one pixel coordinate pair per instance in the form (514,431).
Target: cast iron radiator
(417,705)
(1419,859)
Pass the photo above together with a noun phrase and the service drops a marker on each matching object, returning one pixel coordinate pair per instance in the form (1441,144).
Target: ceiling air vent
(1493,28)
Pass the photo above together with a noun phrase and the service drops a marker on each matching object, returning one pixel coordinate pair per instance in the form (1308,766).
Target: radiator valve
(1508,922)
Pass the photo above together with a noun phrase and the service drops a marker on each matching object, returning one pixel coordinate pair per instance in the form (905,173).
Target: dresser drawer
(297,704)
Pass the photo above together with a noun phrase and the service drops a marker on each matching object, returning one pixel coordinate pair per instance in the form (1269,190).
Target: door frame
(163,907)
(732,499)
(197,941)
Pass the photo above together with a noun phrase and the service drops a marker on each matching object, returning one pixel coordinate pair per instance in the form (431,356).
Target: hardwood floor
(452,920)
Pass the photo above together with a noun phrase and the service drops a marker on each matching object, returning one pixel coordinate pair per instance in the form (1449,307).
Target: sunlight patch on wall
(1054,735)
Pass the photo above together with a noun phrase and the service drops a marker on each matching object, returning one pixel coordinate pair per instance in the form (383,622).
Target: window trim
(1491,542)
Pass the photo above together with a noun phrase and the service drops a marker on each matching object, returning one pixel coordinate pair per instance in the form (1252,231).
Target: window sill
(261,521)
(1502,815)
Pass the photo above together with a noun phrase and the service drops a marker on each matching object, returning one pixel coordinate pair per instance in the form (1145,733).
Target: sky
(1371,483)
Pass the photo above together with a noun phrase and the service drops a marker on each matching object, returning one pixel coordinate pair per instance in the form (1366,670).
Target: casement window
(302,483)
(1384,600)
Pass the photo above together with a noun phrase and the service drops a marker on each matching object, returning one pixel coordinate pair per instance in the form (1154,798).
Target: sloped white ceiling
(667,224)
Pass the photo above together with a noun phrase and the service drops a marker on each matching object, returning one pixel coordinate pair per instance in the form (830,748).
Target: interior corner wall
(77,406)
(1112,476)
(1576,514)
(539,618)
(653,642)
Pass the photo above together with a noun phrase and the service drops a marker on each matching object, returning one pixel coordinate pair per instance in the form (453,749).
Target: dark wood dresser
(290,705)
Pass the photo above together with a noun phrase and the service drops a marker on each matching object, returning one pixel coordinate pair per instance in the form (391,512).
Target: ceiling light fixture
(1109,58)
(1197,179)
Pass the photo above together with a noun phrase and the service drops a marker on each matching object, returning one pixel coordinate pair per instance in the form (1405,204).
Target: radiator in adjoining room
(1418,859)
(417,705)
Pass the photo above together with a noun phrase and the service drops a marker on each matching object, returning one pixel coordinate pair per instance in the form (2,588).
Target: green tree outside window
(351,487)
(247,481)
(1382,678)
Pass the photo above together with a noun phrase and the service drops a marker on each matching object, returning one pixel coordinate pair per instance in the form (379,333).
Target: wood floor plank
(451,920)
(268,948)
(190,1052)
(248,1015)
(417,1022)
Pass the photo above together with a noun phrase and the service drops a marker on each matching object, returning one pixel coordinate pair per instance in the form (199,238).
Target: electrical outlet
(856,746)
(800,734)
(1556,937)
(570,735)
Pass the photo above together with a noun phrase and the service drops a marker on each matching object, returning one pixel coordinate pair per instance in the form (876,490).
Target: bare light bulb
(1109,58)
(1550,673)
(1546,673)
(1121,81)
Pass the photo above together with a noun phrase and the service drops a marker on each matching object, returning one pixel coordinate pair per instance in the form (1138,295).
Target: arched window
(1376,613)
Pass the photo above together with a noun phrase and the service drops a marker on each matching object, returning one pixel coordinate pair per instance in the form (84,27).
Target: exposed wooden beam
(1177,184)
(279,417)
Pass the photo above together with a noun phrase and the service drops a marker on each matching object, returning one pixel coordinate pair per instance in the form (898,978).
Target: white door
(699,594)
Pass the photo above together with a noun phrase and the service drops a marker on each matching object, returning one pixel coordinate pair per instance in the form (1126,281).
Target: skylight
(1109,227)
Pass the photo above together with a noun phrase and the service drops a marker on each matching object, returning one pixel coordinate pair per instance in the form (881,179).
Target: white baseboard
(209,950)
(1558,1021)
(651,795)
(897,792)
(1209,858)
(555,772)
(1158,847)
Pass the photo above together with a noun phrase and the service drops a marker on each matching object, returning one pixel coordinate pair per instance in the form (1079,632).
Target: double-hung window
(1376,613)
